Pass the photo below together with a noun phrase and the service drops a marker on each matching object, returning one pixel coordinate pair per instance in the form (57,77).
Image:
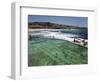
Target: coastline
(59,35)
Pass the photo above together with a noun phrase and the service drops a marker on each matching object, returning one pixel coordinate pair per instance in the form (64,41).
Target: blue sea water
(75,33)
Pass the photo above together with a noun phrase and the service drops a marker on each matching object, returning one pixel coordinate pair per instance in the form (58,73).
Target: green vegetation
(55,52)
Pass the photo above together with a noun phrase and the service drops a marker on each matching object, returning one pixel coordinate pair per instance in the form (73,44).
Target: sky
(66,20)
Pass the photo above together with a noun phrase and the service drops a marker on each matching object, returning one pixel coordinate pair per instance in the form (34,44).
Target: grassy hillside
(49,25)
(55,52)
